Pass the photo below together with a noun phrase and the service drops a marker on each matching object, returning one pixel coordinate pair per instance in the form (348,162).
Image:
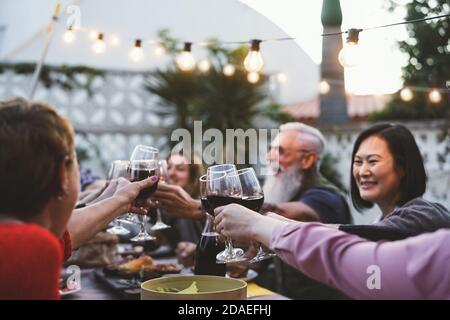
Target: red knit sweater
(30,262)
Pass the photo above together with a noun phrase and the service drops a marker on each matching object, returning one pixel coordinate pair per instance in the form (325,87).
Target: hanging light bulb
(281,78)
(228,70)
(99,45)
(253,77)
(350,54)
(137,53)
(93,35)
(324,87)
(69,35)
(406,94)
(185,59)
(114,40)
(159,50)
(253,61)
(435,96)
(204,66)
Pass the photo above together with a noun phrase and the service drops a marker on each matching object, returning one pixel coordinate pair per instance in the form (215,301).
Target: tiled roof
(358,106)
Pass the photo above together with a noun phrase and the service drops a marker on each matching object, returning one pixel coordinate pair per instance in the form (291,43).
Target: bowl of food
(194,288)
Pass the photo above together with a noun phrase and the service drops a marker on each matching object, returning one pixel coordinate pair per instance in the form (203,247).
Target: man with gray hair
(298,191)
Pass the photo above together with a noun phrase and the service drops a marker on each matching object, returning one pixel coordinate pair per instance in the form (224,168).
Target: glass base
(118,230)
(142,237)
(237,255)
(262,256)
(160,226)
(131,218)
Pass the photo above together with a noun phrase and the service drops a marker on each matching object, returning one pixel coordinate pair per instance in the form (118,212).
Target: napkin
(253,290)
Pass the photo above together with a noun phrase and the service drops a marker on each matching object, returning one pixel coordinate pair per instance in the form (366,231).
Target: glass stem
(142,219)
(260,251)
(229,246)
(158,216)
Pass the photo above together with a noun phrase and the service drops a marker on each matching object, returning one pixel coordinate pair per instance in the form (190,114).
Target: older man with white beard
(298,191)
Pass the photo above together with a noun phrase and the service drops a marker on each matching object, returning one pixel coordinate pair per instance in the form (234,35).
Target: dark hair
(406,156)
(34,142)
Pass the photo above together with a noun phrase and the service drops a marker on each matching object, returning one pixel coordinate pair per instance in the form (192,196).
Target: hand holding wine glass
(224,188)
(144,164)
(253,199)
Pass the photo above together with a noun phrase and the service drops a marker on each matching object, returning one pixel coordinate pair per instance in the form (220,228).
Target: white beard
(282,186)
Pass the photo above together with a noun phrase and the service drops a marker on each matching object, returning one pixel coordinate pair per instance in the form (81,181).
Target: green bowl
(209,287)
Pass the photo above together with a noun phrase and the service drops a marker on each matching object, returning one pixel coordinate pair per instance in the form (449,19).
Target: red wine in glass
(218,201)
(253,202)
(206,206)
(141,170)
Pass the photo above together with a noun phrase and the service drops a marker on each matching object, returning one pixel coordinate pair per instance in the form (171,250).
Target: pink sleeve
(407,269)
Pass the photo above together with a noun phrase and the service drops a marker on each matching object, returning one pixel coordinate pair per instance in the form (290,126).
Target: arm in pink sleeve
(414,268)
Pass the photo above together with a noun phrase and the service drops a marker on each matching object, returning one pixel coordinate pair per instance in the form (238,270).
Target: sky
(380,69)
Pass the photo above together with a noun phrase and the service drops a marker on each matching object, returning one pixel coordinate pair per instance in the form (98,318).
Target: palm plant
(219,101)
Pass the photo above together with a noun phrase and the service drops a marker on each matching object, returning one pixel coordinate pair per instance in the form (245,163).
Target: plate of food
(158,270)
(251,274)
(130,273)
(241,272)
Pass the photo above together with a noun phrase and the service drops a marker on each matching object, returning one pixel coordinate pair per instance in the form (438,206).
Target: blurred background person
(185,232)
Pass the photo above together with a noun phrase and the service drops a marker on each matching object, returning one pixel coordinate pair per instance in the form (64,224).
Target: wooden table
(94,289)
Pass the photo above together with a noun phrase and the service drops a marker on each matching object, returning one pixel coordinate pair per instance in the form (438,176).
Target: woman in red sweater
(38,190)
(39,184)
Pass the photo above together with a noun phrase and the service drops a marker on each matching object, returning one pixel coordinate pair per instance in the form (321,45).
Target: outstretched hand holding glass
(144,164)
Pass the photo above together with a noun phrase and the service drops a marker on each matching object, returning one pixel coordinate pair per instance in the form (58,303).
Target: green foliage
(428,49)
(273,111)
(63,76)
(219,101)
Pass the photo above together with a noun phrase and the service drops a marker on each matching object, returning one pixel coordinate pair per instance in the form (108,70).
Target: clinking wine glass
(205,205)
(143,152)
(214,171)
(223,189)
(140,170)
(163,176)
(253,199)
(117,169)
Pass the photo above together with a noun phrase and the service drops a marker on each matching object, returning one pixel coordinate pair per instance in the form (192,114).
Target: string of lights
(406,94)
(253,63)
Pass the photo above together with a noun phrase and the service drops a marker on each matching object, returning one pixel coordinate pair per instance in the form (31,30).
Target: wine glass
(117,169)
(163,176)
(140,170)
(205,205)
(253,199)
(143,152)
(220,168)
(223,188)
